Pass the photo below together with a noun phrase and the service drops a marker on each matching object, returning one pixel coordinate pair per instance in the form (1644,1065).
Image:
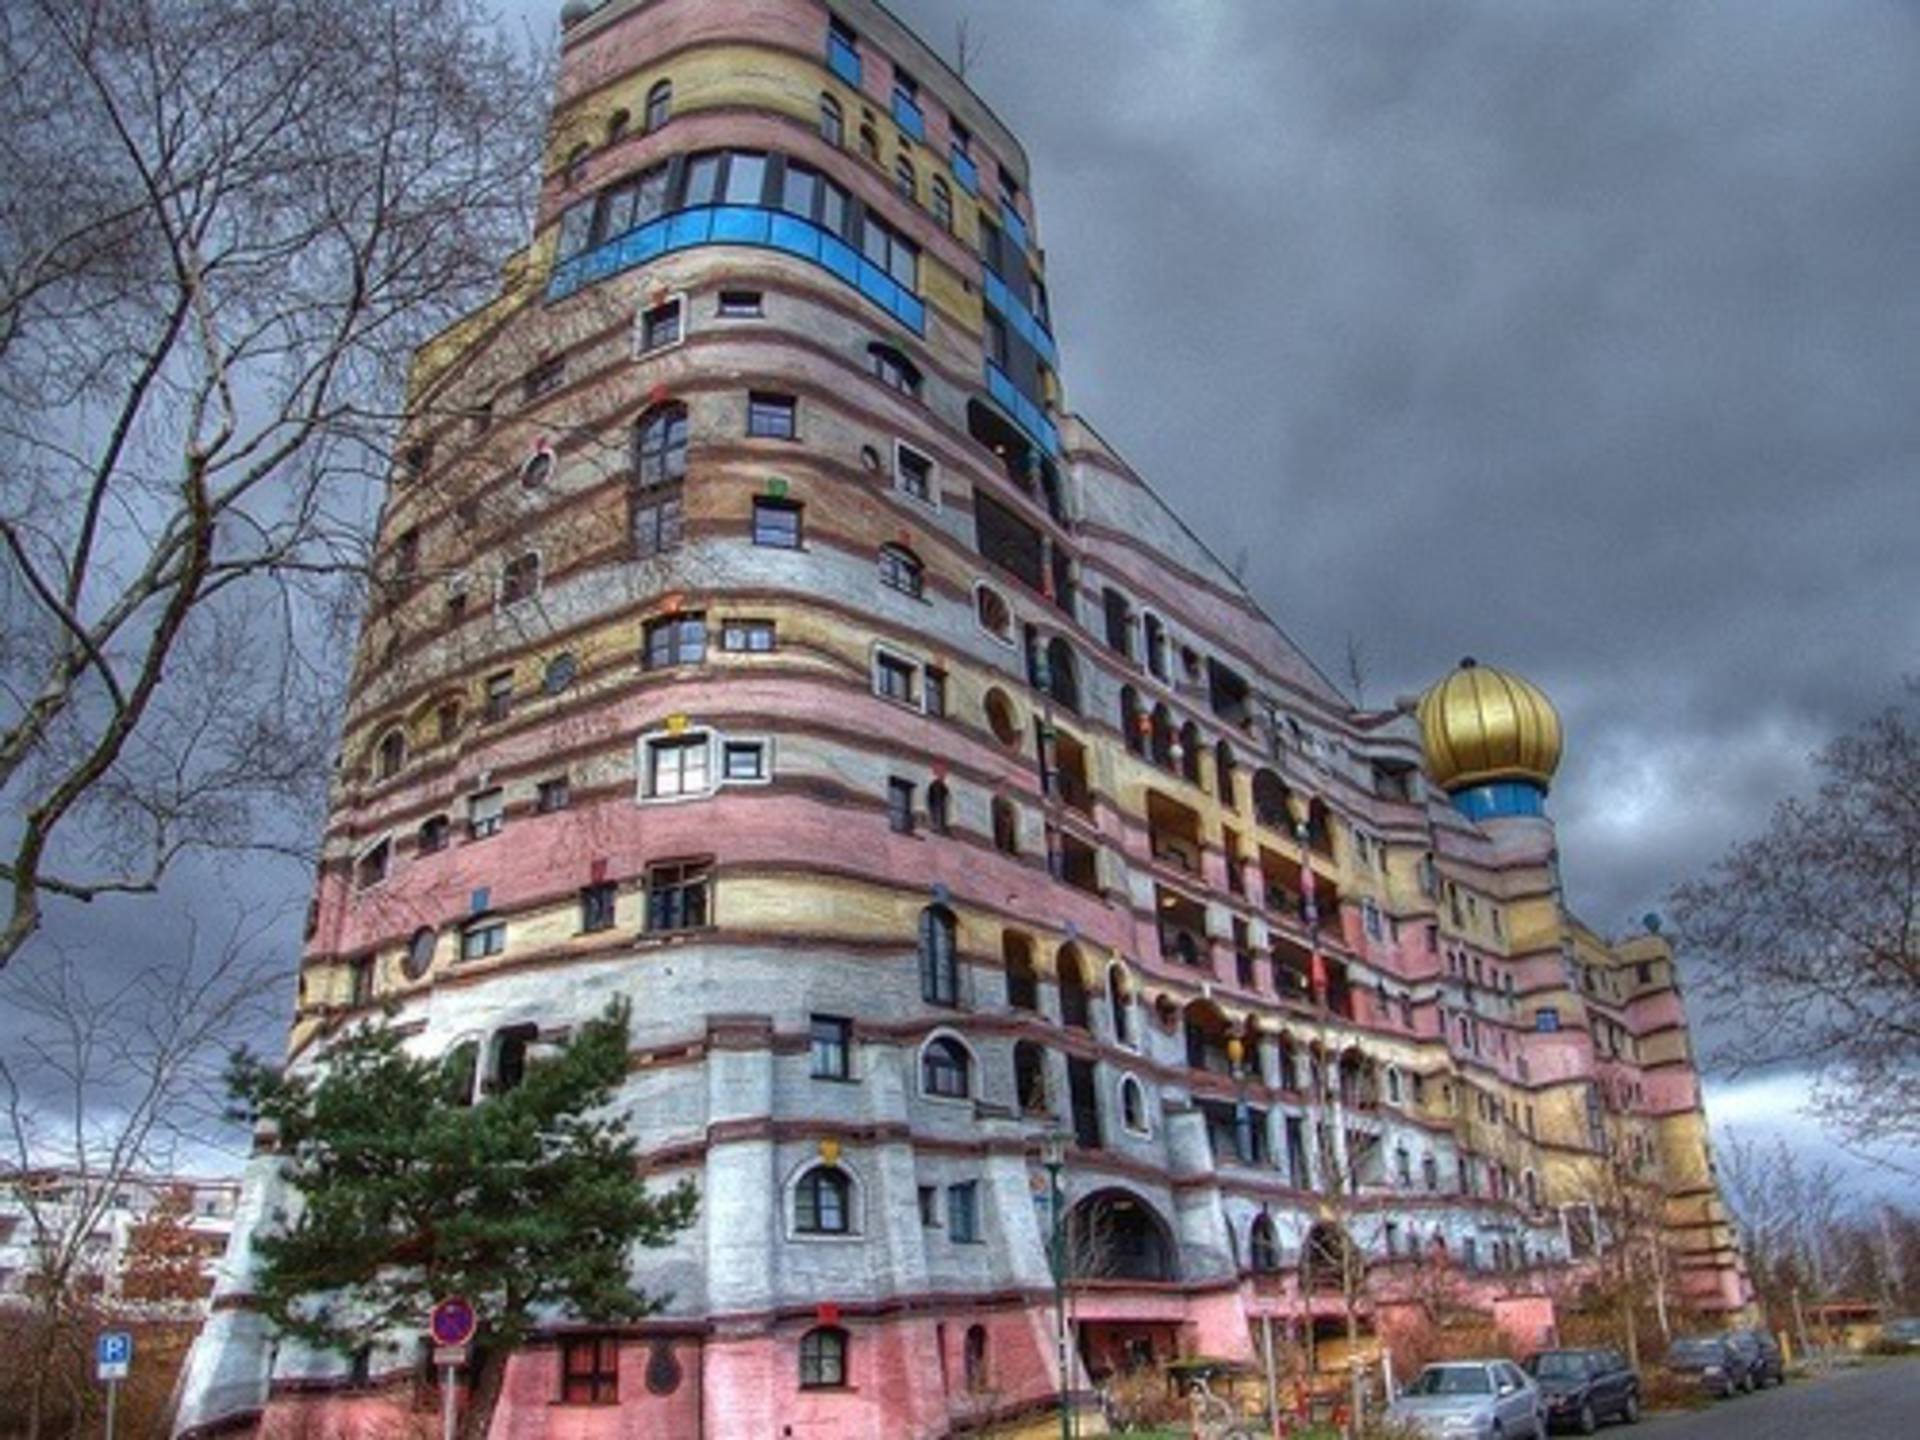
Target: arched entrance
(1115,1235)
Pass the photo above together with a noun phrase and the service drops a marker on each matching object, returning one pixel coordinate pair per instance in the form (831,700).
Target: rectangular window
(486,813)
(677,765)
(483,938)
(930,1206)
(890,251)
(674,640)
(678,896)
(893,679)
(554,794)
(1546,1019)
(963,1212)
(743,760)
(746,177)
(753,637)
(360,980)
(596,906)
(935,682)
(900,806)
(776,524)
(913,473)
(703,179)
(830,1047)
(499,696)
(843,53)
(659,327)
(996,340)
(657,524)
(590,1370)
(770,416)
(739,304)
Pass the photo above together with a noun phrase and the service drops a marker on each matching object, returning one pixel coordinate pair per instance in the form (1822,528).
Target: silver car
(1473,1400)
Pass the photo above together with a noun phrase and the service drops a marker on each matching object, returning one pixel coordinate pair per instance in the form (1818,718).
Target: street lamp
(1053,1156)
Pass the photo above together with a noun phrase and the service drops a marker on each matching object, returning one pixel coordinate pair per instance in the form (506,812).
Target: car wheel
(1630,1412)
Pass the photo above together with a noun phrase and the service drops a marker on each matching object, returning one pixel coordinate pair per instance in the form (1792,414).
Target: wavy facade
(763,640)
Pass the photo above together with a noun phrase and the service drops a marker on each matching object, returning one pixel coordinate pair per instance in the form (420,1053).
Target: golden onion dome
(1481,725)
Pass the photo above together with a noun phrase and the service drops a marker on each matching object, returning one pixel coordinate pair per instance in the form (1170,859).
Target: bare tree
(103,1082)
(227,224)
(1809,935)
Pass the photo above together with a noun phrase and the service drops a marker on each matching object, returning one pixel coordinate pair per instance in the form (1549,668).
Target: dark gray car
(1764,1363)
(1584,1387)
(1711,1362)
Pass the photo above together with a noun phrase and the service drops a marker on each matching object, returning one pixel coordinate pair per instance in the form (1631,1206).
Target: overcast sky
(1581,338)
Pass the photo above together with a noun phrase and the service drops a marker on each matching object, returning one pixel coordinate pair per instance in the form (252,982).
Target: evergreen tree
(525,1203)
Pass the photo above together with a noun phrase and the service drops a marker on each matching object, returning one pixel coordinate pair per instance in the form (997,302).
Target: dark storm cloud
(1578,338)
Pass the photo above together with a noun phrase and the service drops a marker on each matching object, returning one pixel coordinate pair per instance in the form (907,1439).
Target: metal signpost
(112,1359)
(451,1325)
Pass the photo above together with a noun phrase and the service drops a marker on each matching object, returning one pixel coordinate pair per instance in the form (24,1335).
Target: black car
(1762,1354)
(1712,1362)
(1584,1387)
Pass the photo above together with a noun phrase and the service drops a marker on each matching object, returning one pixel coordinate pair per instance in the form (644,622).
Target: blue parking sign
(113,1354)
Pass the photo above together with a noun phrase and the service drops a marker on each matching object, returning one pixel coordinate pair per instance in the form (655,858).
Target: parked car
(1584,1387)
(1905,1331)
(1711,1362)
(1472,1400)
(1762,1354)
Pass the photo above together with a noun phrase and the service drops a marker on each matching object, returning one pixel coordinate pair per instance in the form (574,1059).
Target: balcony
(1173,833)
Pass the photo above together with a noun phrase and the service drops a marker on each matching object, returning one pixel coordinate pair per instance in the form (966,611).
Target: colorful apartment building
(761,638)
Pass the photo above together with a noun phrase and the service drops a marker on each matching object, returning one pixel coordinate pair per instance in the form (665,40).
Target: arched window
(904,180)
(1132,722)
(392,755)
(894,369)
(1190,752)
(823,1202)
(660,446)
(1320,828)
(1118,1007)
(1030,1078)
(1075,1012)
(942,204)
(576,167)
(617,124)
(1156,645)
(870,143)
(939,807)
(659,105)
(1133,1104)
(1023,981)
(939,963)
(560,673)
(974,1359)
(1001,718)
(1162,737)
(1063,673)
(832,127)
(900,569)
(1270,802)
(945,1069)
(1006,826)
(1223,773)
(1264,1246)
(823,1358)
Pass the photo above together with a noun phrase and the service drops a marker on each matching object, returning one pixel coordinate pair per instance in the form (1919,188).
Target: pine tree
(528,1200)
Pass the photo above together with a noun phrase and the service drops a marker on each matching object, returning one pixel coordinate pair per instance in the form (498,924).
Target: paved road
(1876,1402)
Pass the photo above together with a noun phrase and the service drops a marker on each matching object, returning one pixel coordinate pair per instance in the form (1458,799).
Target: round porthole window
(537,470)
(419,953)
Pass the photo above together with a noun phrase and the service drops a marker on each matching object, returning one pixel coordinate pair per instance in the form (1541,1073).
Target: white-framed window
(660,326)
(993,613)
(373,864)
(906,681)
(486,813)
(677,767)
(481,938)
(745,762)
(1133,1107)
(520,578)
(914,474)
(825,1202)
(949,1070)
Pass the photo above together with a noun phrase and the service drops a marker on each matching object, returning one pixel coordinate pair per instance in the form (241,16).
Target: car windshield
(1558,1365)
(1452,1380)
(1695,1349)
